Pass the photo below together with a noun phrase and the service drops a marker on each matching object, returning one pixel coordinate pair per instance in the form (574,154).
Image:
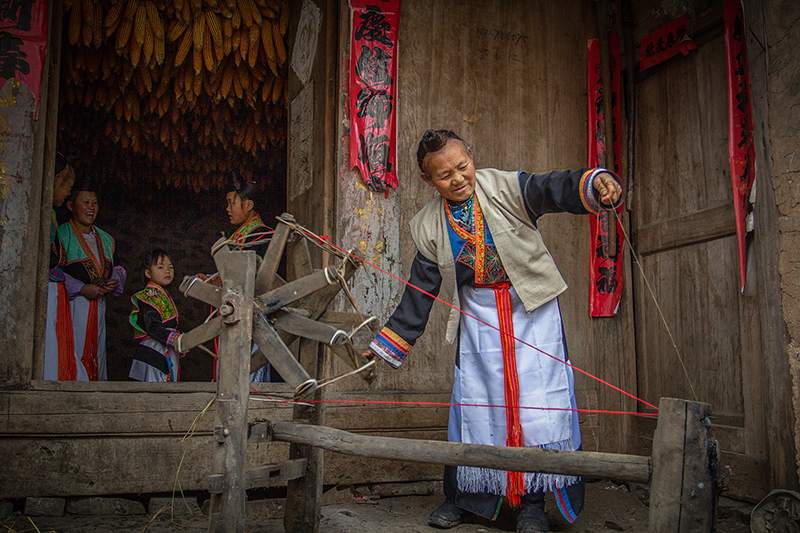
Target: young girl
(89,258)
(155,321)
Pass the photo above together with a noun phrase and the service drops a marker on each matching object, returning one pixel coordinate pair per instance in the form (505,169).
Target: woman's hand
(110,285)
(92,291)
(201,277)
(608,189)
(370,355)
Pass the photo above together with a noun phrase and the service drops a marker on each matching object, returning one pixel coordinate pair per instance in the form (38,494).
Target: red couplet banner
(373,92)
(740,126)
(664,43)
(23,43)
(605,289)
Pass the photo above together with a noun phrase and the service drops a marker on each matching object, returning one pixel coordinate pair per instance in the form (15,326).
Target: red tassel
(89,358)
(67,367)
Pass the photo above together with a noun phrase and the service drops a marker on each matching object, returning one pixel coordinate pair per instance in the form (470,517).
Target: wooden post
(683,493)
(237,272)
(304,495)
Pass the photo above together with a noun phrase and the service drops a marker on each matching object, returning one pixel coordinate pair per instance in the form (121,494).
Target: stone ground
(609,507)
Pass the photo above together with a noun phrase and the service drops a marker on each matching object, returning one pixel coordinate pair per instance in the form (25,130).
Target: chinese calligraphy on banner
(23,42)
(373,92)
(665,43)
(740,125)
(605,289)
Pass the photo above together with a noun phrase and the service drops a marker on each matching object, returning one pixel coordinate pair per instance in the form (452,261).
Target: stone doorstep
(6,510)
(98,506)
(44,506)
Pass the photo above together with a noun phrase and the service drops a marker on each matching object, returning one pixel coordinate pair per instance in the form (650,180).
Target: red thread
(584,372)
(445,404)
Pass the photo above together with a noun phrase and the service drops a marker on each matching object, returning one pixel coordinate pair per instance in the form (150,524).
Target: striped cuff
(590,201)
(390,347)
(173,335)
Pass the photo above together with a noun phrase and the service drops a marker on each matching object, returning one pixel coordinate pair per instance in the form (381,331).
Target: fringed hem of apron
(473,479)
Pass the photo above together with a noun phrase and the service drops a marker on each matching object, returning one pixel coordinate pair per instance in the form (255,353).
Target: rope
(314,237)
(660,313)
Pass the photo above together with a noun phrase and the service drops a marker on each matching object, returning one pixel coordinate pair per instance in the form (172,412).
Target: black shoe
(447,515)
(531,519)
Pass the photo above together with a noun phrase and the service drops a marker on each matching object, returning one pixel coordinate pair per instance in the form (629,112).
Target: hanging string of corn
(175,92)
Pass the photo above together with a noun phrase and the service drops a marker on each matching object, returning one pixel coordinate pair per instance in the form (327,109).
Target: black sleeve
(151,322)
(553,192)
(411,316)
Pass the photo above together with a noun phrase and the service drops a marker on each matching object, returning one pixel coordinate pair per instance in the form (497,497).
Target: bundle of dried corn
(175,92)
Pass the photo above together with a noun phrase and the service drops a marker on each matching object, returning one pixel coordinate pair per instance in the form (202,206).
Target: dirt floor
(609,507)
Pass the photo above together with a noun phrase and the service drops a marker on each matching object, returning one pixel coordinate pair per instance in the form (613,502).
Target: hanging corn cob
(127,61)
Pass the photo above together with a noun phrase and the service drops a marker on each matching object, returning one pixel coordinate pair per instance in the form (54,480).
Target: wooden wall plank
(700,226)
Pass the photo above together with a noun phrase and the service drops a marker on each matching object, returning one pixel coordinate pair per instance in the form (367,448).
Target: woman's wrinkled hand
(608,189)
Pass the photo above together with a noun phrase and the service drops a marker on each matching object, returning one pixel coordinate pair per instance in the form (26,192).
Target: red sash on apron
(67,367)
(515,487)
(89,358)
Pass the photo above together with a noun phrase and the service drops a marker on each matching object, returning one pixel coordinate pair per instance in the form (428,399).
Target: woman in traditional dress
(479,239)
(89,258)
(59,349)
(242,206)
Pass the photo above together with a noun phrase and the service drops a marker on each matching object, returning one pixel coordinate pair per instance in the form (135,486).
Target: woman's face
(84,210)
(238,211)
(450,171)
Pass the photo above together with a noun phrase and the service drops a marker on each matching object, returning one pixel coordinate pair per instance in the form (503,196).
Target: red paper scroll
(605,291)
(740,125)
(23,42)
(373,91)
(665,43)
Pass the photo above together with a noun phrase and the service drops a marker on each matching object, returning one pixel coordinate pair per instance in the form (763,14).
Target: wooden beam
(683,492)
(304,327)
(194,287)
(271,345)
(237,271)
(530,459)
(272,257)
(699,226)
(295,290)
(200,334)
(263,476)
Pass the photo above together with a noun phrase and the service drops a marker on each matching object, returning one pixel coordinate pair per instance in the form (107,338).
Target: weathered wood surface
(237,272)
(591,464)
(683,491)
(683,222)
(304,495)
(49,119)
(700,226)
(775,115)
(278,354)
(272,257)
(54,431)
(264,476)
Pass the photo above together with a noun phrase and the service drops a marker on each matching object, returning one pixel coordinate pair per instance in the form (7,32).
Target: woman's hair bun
(433,141)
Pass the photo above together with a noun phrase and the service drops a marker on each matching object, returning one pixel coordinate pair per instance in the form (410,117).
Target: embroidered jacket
(254,233)
(511,203)
(154,316)
(80,262)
